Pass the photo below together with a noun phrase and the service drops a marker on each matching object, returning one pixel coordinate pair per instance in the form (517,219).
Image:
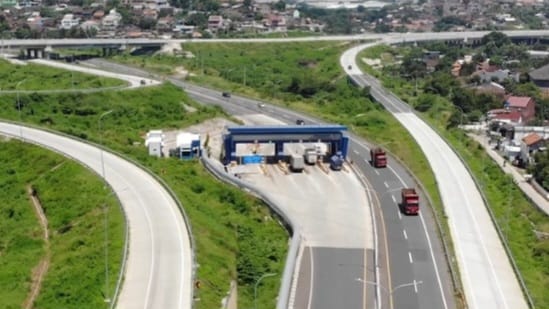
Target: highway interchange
(413,252)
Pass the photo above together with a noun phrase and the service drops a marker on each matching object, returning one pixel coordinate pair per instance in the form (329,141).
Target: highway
(393,37)
(159,263)
(487,277)
(416,275)
(414,249)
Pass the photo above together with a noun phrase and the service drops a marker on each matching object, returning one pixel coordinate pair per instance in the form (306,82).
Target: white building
(188,145)
(111,21)
(69,21)
(155,142)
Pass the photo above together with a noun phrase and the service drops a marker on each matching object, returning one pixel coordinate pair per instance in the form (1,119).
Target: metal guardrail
(285,287)
(456,282)
(490,212)
(126,227)
(53,91)
(147,170)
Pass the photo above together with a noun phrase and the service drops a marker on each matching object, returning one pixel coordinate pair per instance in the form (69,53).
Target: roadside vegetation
(26,77)
(445,102)
(72,198)
(237,237)
(302,76)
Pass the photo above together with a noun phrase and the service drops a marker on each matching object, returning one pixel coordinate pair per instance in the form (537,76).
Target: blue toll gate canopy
(336,135)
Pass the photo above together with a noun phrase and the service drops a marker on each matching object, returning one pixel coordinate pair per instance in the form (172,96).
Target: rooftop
(540,73)
(532,139)
(521,102)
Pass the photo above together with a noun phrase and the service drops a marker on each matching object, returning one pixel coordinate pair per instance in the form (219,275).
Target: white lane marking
(415,285)
(428,243)
(376,172)
(405,235)
(394,199)
(366,160)
(312,278)
(356,152)
(399,215)
(386,185)
(410,257)
(151,232)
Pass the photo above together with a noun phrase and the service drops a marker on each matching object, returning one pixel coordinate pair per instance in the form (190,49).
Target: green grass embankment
(517,217)
(39,77)
(72,198)
(236,236)
(302,76)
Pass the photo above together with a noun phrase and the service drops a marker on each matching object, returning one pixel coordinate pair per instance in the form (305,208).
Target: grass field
(236,237)
(39,77)
(72,198)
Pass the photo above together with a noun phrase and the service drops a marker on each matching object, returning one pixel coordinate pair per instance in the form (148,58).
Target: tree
(497,38)
(280,6)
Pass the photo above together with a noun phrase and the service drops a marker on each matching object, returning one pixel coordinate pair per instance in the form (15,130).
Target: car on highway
(300,122)
(260,105)
(226,94)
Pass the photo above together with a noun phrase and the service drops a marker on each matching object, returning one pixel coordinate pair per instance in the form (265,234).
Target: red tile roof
(521,102)
(513,116)
(532,139)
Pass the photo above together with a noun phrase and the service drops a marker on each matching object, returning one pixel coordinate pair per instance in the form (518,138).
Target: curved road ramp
(158,269)
(488,278)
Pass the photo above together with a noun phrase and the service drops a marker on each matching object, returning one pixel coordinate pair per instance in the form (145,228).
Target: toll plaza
(255,144)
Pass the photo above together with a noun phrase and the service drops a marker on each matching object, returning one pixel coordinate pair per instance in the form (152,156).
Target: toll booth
(267,142)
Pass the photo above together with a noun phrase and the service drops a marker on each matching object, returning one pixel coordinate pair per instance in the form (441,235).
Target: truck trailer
(378,157)
(410,201)
(297,163)
(336,161)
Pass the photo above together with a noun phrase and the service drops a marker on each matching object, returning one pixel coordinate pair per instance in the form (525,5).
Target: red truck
(378,157)
(410,201)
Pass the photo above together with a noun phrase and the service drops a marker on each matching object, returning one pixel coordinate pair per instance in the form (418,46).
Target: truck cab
(410,201)
(378,157)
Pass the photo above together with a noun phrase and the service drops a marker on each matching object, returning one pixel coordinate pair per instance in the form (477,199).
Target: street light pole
(257,283)
(101,142)
(105,210)
(389,292)
(19,108)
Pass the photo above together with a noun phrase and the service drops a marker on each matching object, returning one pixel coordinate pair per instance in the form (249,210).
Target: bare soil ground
(41,269)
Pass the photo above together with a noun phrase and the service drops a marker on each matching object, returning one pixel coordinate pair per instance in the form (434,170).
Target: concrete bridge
(39,48)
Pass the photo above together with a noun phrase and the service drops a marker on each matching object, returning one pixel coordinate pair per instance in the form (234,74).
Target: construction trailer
(155,143)
(188,145)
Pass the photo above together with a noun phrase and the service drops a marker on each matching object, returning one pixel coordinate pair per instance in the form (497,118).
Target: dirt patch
(41,269)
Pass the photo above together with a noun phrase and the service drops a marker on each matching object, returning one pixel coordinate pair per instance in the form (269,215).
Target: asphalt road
(414,250)
(158,266)
(487,277)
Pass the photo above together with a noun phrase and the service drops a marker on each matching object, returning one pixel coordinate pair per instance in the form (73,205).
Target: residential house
(431,60)
(492,88)
(215,22)
(69,21)
(150,14)
(540,77)
(502,115)
(275,22)
(530,144)
(90,24)
(456,68)
(112,21)
(34,21)
(488,73)
(526,106)
(165,24)
(98,15)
